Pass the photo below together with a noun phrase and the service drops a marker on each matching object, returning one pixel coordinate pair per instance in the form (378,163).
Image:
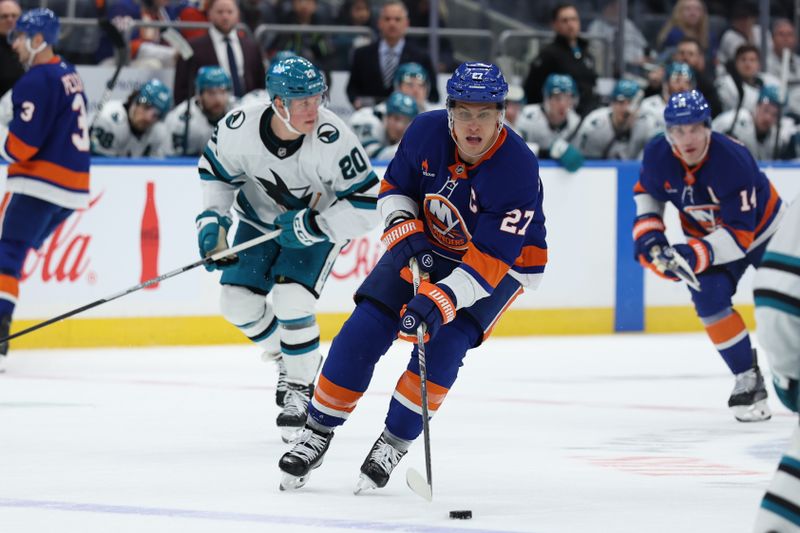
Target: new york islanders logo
(447,226)
(707,216)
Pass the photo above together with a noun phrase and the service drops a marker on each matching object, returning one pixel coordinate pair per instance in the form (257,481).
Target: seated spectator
(689,19)
(352,13)
(10,68)
(134,128)
(690,52)
(766,134)
(635,49)
(374,66)
(679,77)
(419,12)
(400,111)
(743,30)
(316,47)
(193,11)
(147,47)
(515,101)
(567,54)
(741,86)
(190,128)
(785,38)
(549,126)
(605,133)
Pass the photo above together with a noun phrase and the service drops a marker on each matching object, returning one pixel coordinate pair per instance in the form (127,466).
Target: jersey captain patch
(446,224)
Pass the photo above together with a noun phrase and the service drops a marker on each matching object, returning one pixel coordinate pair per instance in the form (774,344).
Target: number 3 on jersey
(80,140)
(510,223)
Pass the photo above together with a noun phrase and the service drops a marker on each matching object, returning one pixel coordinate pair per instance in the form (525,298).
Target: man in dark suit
(10,68)
(223,46)
(373,67)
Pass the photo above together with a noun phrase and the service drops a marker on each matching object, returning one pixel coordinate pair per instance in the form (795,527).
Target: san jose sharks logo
(445,222)
(327,133)
(235,120)
(290,198)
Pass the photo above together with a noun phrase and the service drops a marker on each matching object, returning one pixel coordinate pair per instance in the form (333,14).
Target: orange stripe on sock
(9,285)
(335,397)
(725,329)
(408,386)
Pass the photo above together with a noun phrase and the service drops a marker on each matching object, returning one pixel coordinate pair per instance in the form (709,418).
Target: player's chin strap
(286,121)
(33,51)
(501,119)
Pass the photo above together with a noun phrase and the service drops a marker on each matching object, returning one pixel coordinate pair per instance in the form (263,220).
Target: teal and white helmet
(401,104)
(212,78)
(155,94)
(294,77)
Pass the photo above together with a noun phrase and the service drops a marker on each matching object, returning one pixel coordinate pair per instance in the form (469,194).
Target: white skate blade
(364,483)
(289,434)
(419,484)
(290,482)
(756,412)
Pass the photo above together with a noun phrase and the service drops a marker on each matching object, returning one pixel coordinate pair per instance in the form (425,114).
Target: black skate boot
(281,387)
(378,465)
(295,410)
(748,400)
(306,454)
(5,328)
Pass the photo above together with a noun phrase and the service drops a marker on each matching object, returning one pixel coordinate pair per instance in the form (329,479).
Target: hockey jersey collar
(277,147)
(459,168)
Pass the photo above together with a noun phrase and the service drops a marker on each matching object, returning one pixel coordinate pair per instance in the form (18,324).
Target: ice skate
(306,454)
(748,400)
(280,388)
(295,410)
(378,465)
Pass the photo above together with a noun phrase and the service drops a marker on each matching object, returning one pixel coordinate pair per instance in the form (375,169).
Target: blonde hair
(700,33)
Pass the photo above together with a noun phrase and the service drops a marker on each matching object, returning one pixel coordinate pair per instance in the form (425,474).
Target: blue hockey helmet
(559,84)
(39,20)
(625,90)
(689,107)
(211,78)
(678,68)
(401,104)
(410,71)
(295,77)
(769,94)
(477,82)
(155,94)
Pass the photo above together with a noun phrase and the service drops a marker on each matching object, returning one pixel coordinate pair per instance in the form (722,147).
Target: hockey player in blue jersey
(47,147)
(463,198)
(728,211)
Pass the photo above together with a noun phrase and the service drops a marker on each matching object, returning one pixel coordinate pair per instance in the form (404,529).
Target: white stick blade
(419,484)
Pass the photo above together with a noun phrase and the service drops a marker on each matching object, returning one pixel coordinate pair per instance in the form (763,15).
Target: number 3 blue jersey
(48,138)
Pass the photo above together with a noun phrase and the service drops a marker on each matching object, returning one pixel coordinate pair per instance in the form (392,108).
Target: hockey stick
(205,261)
(121,58)
(783,94)
(422,486)
(667,260)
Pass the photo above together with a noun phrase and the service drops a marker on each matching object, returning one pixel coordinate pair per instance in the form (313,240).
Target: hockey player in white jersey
(293,165)
(777,299)
(605,133)
(758,129)
(551,125)
(678,78)
(211,101)
(134,128)
(400,111)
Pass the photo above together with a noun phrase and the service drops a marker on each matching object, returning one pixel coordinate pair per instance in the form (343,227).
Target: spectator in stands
(605,133)
(316,47)
(635,48)
(134,128)
(10,67)
(741,86)
(785,38)
(419,12)
(690,52)
(743,30)
(766,134)
(193,11)
(689,19)
(374,66)
(147,48)
(234,51)
(257,12)
(567,54)
(352,13)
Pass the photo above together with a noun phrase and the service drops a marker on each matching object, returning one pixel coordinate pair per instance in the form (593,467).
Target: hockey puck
(461,515)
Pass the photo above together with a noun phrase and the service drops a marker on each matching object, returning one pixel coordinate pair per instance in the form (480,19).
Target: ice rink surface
(625,433)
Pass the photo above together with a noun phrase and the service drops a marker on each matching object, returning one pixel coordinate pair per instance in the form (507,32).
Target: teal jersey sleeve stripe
(788,260)
(216,166)
(362,186)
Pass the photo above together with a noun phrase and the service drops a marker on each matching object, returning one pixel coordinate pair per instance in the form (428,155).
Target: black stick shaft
(423,384)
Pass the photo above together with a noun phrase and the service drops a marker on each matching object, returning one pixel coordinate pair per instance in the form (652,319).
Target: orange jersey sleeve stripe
(532,256)
(770,209)
(638,188)
(335,397)
(386,187)
(9,285)
(489,330)
(55,174)
(490,268)
(408,386)
(19,149)
(743,237)
(726,329)
(688,229)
